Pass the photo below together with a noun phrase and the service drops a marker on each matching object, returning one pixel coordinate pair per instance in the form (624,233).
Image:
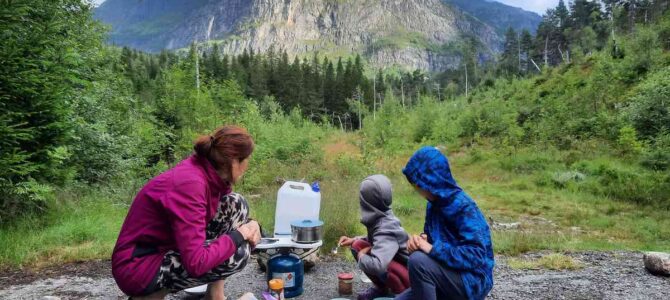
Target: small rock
(311,260)
(506,226)
(657,263)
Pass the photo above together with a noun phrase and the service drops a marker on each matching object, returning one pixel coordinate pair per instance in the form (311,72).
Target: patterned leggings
(232,213)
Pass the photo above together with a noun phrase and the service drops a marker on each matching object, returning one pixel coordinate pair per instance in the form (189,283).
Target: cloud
(538,6)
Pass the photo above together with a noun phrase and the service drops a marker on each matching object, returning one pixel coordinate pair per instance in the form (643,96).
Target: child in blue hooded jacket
(454,259)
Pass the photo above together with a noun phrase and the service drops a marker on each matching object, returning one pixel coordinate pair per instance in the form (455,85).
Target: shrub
(23,198)
(627,183)
(658,156)
(650,106)
(490,119)
(628,141)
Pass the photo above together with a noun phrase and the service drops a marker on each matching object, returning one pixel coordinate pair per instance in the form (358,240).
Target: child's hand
(417,242)
(345,241)
(422,243)
(411,246)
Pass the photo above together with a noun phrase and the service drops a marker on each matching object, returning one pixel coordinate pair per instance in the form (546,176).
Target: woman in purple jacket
(186,227)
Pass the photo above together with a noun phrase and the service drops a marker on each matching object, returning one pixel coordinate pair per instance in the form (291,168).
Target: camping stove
(295,201)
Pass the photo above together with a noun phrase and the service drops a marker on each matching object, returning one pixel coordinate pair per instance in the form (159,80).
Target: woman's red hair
(225,145)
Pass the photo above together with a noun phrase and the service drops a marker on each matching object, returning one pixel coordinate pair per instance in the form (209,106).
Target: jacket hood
(375,198)
(429,169)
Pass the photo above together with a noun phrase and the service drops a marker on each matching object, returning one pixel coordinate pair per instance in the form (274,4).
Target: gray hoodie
(385,232)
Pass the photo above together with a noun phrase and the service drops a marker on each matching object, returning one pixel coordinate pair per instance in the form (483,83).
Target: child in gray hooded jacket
(382,254)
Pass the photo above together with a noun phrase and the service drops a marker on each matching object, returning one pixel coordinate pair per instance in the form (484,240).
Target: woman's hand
(345,241)
(251,232)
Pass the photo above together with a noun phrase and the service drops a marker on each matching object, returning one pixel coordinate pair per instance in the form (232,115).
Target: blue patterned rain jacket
(454,224)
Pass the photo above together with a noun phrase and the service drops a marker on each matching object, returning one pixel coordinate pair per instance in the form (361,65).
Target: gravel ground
(606,275)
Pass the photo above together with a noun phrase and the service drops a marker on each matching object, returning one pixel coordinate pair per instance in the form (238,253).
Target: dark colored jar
(345,284)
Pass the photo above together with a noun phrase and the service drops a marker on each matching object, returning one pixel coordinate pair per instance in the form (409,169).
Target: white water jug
(296,201)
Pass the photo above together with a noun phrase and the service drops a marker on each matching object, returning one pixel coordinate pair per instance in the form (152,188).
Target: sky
(538,6)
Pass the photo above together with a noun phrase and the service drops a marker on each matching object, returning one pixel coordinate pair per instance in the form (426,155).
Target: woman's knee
(234,264)
(235,208)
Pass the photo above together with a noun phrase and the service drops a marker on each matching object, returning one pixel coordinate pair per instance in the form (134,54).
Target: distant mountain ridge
(411,34)
(499,15)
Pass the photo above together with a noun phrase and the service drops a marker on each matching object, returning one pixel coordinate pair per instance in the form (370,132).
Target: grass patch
(85,225)
(554,261)
(70,231)
(400,38)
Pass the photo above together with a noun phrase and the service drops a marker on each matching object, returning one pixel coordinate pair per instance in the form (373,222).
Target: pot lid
(307,223)
(345,276)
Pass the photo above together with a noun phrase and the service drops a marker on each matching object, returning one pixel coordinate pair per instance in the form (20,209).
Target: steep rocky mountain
(411,33)
(499,15)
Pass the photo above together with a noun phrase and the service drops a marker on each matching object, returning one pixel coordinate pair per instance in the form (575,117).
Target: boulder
(657,263)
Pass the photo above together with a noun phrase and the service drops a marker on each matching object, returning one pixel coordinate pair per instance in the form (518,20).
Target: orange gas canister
(276,288)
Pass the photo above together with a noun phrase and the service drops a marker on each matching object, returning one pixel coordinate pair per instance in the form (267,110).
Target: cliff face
(498,15)
(389,32)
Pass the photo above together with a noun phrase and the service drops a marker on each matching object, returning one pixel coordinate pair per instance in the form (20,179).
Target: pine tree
(526,54)
(47,52)
(282,73)
(380,84)
(549,39)
(509,60)
(213,64)
(584,13)
(257,81)
(340,85)
(224,66)
(562,15)
(349,81)
(329,87)
(311,84)
(294,88)
(317,81)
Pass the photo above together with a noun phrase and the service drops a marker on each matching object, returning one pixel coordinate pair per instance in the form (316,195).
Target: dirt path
(606,275)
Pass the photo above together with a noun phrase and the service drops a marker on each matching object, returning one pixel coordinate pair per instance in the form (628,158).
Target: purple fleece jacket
(171,212)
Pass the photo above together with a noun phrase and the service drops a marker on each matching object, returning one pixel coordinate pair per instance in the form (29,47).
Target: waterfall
(209,28)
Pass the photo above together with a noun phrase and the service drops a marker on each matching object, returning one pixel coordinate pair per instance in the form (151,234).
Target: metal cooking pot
(306,231)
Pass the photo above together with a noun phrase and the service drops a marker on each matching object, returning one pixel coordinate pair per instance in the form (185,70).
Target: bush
(388,129)
(627,183)
(628,141)
(650,106)
(642,54)
(23,198)
(490,119)
(658,156)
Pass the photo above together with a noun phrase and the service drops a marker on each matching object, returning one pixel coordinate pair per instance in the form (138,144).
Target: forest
(572,124)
